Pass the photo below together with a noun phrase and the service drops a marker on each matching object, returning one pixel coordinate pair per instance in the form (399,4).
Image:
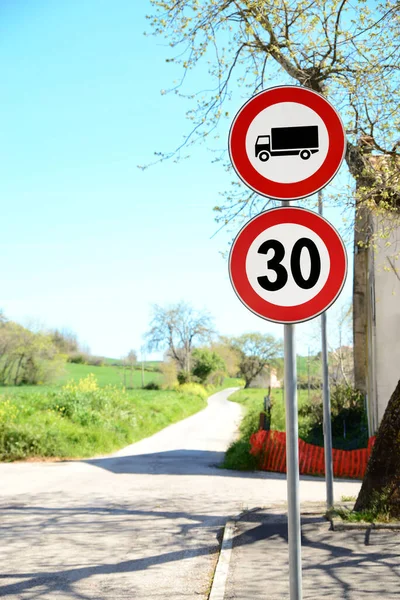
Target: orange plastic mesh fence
(270,448)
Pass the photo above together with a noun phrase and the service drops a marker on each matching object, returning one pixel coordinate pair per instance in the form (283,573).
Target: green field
(148,364)
(109,375)
(105,375)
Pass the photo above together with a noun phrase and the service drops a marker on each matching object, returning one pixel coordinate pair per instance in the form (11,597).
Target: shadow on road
(337,562)
(46,582)
(180,462)
(171,462)
(334,564)
(78,543)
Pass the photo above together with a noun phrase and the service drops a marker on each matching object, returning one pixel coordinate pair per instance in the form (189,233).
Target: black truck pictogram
(288,141)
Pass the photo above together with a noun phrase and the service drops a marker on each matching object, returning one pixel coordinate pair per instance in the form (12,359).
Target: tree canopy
(347,51)
(177,328)
(27,357)
(206,362)
(256,351)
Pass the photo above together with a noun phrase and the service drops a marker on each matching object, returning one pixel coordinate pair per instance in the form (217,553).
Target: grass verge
(238,454)
(82,419)
(365,516)
(378,512)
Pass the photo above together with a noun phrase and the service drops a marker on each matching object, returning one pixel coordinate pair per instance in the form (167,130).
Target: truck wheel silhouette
(264,156)
(305,154)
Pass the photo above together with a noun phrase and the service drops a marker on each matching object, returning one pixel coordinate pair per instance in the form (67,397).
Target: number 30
(274,264)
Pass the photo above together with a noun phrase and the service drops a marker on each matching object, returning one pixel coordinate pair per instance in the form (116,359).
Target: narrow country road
(140,524)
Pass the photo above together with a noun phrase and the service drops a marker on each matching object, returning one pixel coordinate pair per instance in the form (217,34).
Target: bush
(349,420)
(95,361)
(194,389)
(83,402)
(78,358)
(303,382)
(182,377)
(55,423)
(153,368)
(152,385)
(238,457)
(217,378)
(238,454)
(346,397)
(169,371)
(206,362)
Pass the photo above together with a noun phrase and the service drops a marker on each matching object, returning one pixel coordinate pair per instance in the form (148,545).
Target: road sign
(287,142)
(288,265)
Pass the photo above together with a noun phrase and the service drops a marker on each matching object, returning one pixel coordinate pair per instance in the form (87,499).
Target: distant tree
(228,354)
(177,328)
(169,373)
(65,341)
(27,357)
(130,361)
(256,352)
(131,358)
(206,362)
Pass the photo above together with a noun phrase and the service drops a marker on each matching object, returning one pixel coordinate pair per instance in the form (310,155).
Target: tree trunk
(360,298)
(18,368)
(381,485)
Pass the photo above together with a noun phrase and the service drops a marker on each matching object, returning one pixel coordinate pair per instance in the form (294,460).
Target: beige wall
(384,337)
(265,379)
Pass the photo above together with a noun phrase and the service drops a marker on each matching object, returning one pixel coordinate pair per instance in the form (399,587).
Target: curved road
(140,524)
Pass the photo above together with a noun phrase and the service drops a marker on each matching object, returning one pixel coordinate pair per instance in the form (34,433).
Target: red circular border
(301,312)
(273,189)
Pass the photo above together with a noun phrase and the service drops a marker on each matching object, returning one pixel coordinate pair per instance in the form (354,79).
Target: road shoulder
(356,564)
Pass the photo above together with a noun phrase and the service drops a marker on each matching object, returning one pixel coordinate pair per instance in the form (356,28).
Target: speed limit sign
(288,265)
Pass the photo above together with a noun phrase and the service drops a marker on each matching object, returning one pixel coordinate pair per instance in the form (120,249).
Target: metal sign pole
(251,146)
(326,401)
(292,462)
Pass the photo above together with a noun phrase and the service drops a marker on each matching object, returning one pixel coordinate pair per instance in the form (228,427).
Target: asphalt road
(142,523)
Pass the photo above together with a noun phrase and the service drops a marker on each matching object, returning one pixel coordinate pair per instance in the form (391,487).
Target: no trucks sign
(287,142)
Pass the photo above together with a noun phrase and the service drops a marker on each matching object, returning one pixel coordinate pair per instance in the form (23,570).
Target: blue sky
(89,241)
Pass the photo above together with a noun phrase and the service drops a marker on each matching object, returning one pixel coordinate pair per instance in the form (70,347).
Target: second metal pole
(326,401)
(327,416)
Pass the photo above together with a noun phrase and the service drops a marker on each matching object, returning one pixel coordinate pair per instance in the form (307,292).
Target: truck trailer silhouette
(288,141)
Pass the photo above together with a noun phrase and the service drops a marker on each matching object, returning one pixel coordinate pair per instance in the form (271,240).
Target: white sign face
(303,269)
(287,142)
